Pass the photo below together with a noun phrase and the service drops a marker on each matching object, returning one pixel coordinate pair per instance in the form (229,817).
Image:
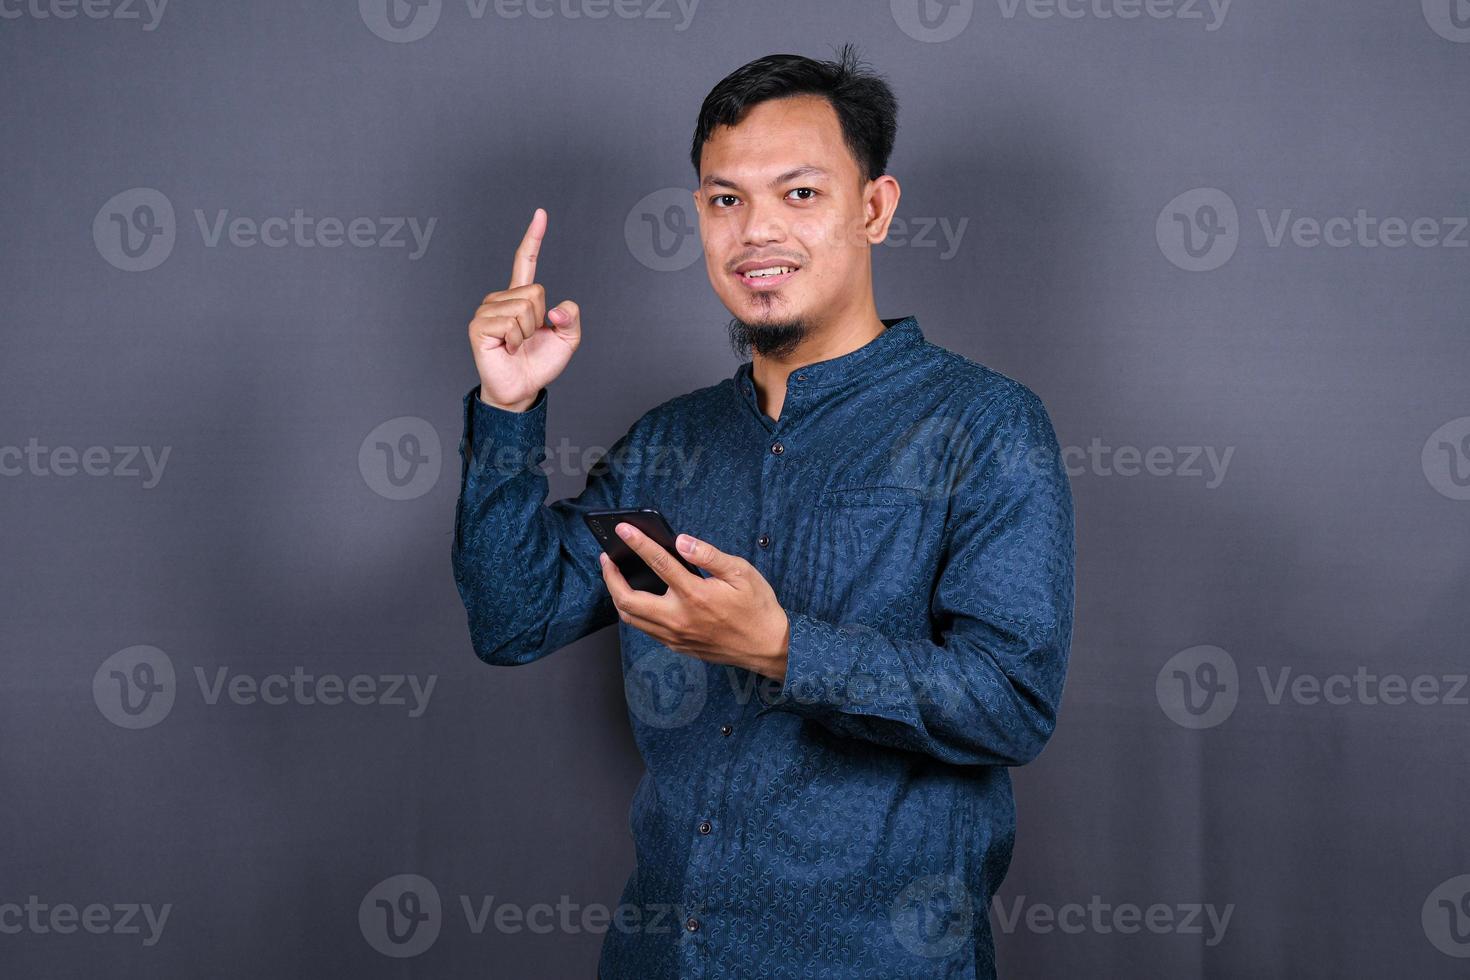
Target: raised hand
(519,345)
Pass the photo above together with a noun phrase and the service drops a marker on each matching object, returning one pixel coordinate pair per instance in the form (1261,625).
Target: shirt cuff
(499,440)
(827,671)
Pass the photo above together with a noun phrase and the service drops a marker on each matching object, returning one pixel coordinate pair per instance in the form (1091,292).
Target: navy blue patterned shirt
(912,513)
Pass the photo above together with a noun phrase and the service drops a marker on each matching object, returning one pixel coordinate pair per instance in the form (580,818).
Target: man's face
(781,190)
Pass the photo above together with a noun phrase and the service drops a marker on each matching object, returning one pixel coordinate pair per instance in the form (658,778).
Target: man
(827,714)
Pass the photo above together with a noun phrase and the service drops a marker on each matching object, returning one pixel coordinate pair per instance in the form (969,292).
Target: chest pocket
(866,559)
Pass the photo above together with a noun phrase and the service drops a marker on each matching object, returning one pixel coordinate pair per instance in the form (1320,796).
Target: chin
(775,307)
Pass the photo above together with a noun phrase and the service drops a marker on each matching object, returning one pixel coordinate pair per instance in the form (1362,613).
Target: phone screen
(635,570)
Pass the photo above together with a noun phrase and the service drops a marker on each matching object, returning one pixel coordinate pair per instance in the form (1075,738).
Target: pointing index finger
(523,272)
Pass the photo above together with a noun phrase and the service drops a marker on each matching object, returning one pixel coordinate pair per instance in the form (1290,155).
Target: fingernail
(556,316)
(686,544)
(624,531)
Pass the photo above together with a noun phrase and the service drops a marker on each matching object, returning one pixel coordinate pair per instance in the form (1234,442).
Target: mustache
(771,259)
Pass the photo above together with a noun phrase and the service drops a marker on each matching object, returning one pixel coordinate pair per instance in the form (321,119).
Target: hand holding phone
(634,569)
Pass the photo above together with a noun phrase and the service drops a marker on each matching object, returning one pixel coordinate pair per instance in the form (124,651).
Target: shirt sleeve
(527,571)
(987,692)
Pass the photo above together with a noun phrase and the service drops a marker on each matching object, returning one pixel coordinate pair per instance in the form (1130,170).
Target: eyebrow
(807,171)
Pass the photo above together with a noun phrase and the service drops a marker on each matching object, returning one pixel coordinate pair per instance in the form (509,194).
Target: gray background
(1337,541)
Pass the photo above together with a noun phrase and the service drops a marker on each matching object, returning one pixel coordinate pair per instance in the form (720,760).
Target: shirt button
(801,377)
(764,540)
(705,827)
(778,449)
(692,924)
(725,730)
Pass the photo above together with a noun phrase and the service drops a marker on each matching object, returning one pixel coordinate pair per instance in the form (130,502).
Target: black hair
(865,105)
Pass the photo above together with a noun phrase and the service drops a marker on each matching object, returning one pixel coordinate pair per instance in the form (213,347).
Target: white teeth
(774,270)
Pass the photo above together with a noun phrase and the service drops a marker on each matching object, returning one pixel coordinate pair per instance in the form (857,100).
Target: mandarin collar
(900,333)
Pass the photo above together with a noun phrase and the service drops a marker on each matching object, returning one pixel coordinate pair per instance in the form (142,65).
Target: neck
(824,343)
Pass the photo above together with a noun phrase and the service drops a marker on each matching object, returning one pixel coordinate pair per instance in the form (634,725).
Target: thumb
(566,319)
(704,555)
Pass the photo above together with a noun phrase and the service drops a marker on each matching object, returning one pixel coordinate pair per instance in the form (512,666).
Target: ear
(880,202)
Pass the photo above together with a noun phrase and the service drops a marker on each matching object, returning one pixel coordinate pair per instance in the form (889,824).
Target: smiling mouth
(767,276)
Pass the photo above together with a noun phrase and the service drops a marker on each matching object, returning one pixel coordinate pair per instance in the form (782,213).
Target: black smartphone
(635,570)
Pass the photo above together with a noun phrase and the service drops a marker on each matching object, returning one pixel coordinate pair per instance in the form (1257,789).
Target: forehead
(776,136)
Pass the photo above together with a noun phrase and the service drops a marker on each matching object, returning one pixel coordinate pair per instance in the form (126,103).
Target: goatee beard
(769,339)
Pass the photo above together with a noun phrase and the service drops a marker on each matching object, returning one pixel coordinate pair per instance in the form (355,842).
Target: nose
(764,223)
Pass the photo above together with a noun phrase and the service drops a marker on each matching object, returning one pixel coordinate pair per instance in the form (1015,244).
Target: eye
(722,197)
(805,190)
